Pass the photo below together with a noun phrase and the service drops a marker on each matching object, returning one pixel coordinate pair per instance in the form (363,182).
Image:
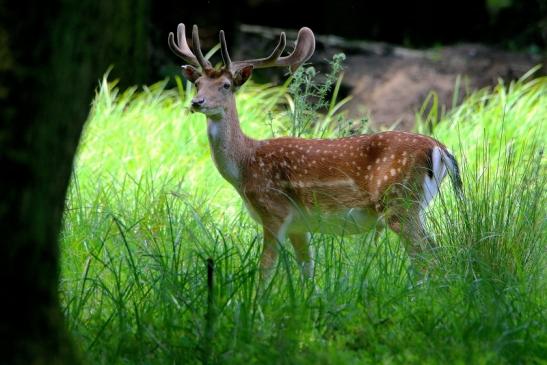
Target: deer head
(216,88)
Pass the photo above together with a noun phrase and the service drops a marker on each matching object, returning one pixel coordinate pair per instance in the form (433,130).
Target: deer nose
(198,101)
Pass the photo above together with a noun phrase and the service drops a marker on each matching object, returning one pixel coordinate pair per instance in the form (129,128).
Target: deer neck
(230,147)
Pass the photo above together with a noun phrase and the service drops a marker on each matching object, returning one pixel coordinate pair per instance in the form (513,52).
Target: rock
(392,88)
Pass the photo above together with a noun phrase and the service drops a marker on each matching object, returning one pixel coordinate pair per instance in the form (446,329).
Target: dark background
(509,24)
(134,32)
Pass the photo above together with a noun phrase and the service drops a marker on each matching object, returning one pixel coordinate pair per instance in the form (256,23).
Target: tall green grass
(146,208)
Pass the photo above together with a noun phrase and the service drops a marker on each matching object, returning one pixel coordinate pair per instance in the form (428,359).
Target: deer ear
(190,73)
(242,75)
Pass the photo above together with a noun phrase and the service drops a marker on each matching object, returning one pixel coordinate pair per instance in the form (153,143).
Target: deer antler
(224,51)
(181,48)
(204,63)
(304,47)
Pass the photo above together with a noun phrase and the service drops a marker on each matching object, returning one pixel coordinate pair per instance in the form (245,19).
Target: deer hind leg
(377,234)
(405,215)
(407,222)
(303,253)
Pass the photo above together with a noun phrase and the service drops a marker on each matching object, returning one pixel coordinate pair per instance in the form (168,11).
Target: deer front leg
(303,253)
(274,234)
(268,259)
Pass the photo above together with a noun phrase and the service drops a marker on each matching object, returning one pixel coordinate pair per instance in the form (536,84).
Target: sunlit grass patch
(146,208)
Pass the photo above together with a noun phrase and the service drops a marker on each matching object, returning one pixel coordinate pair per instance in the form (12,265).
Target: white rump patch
(431,184)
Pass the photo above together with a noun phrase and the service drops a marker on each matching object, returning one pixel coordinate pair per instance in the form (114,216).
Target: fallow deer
(294,186)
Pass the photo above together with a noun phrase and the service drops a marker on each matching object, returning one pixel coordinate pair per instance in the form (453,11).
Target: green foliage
(495,6)
(307,98)
(147,208)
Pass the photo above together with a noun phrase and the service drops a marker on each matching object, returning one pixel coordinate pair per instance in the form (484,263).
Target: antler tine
(224,51)
(205,64)
(273,57)
(181,48)
(267,61)
(281,44)
(304,48)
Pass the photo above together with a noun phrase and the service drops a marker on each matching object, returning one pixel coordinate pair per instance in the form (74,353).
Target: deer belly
(350,221)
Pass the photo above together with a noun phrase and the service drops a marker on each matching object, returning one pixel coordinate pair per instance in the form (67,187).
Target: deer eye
(226,85)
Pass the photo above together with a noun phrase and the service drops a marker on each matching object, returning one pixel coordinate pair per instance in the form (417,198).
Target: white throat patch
(223,159)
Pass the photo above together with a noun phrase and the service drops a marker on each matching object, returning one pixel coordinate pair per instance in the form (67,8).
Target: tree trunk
(49,66)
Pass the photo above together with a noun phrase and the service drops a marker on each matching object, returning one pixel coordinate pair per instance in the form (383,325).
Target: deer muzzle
(197,102)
